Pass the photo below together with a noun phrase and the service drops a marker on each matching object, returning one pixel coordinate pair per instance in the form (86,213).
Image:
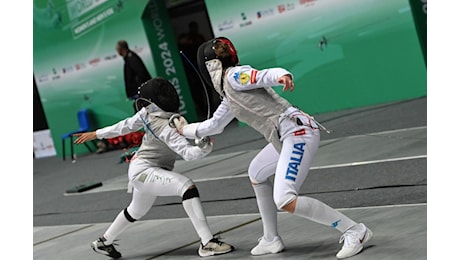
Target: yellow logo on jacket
(244,78)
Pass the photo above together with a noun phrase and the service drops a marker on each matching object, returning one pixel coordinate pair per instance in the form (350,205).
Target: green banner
(343,54)
(167,57)
(76,65)
(419,11)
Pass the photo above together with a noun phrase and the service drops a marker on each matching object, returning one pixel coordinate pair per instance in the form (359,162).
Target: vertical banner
(419,11)
(166,55)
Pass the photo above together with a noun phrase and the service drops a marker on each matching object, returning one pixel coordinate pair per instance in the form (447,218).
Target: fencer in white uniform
(293,139)
(150,170)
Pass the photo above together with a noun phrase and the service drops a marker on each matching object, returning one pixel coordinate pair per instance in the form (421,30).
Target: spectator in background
(135,73)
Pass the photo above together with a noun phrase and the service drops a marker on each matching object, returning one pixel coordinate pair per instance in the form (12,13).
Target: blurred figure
(134,71)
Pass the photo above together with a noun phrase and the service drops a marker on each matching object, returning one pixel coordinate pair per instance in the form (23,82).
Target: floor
(372,167)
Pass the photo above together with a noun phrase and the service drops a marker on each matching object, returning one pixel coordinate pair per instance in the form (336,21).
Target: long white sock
(267,209)
(319,212)
(194,211)
(116,228)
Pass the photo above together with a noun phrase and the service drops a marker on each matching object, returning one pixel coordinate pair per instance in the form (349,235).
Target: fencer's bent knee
(128,216)
(190,193)
(258,172)
(284,200)
(252,173)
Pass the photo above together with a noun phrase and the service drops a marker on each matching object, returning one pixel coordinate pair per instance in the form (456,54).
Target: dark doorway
(191,26)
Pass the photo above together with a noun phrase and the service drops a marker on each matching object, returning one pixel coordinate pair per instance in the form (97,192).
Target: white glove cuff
(189,131)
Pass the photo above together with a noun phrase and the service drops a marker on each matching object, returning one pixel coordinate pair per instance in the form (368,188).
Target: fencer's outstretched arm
(243,78)
(286,81)
(212,126)
(85,137)
(128,125)
(182,147)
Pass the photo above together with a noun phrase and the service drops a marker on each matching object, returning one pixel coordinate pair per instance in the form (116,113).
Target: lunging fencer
(293,139)
(150,170)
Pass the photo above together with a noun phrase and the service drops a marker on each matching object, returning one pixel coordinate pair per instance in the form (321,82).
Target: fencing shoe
(109,250)
(353,240)
(265,247)
(214,247)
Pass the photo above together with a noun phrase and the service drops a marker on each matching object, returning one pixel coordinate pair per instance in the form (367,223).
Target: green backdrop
(76,65)
(372,54)
(343,54)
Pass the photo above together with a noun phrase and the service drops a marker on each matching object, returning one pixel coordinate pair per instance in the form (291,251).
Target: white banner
(43,144)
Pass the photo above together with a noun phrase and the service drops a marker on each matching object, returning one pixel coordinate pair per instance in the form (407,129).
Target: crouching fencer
(150,170)
(293,139)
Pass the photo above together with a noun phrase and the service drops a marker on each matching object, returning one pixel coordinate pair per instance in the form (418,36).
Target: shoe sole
(102,252)
(270,252)
(280,249)
(211,253)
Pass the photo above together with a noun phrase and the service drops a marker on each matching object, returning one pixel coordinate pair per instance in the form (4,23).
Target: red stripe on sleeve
(253,76)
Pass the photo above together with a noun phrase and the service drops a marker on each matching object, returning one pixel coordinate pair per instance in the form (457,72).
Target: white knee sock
(319,212)
(267,209)
(116,228)
(194,211)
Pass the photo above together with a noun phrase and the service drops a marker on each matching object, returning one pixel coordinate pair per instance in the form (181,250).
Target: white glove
(177,121)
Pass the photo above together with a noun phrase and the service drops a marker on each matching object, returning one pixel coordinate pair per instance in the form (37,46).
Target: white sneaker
(266,247)
(353,240)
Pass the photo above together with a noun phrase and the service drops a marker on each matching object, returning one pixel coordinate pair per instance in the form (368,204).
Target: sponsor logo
(110,57)
(265,13)
(245,21)
(43,78)
(361,240)
(138,50)
(225,25)
(67,69)
(281,8)
(294,161)
(242,78)
(286,7)
(307,2)
(92,22)
(94,61)
(80,66)
(335,224)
